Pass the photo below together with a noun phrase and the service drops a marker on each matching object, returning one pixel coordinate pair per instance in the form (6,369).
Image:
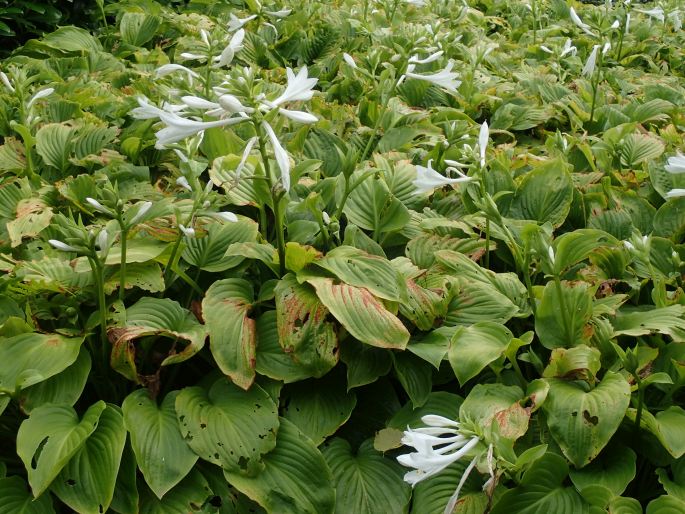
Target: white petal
(434,420)
(166,69)
(189,232)
(676,164)
(40,94)
(6,81)
(225,216)
(199,103)
(183,182)
(589,67)
(142,211)
(231,104)
(246,154)
(675,193)
(62,246)
(483,136)
(349,60)
(299,116)
(281,156)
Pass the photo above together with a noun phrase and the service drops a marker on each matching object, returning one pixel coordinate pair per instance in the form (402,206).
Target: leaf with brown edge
(232,334)
(362,314)
(303,331)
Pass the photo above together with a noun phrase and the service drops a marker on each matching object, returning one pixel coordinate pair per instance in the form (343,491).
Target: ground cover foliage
(250,251)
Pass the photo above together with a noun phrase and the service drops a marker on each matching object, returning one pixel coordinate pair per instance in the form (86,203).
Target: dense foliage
(252,253)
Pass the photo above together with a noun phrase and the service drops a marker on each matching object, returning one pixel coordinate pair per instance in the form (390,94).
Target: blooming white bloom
(166,69)
(349,60)
(427,179)
(579,23)
(281,156)
(6,81)
(446,78)
(568,48)
(483,136)
(97,205)
(676,164)
(675,193)
(62,246)
(657,13)
(236,23)
(300,87)
(437,445)
(183,182)
(40,94)
(188,231)
(233,47)
(591,63)
(178,128)
(414,59)
(224,216)
(674,16)
(142,211)
(299,116)
(147,111)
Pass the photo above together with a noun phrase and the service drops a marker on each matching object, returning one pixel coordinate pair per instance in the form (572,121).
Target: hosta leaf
(358,268)
(614,469)
(485,401)
(86,483)
(638,148)
(137,251)
(669,220)
(423,306)
(146,276)
(186,498)
(138,28)
(366,482)
(432,495)
(91,139)
(306,337)
(563,315)
(65,387)
(656,109)
(209,253)
(50,437)
(32,358)
(666,320)
(239,192)
(365,364)
(582,421)
(295,478)
(361,314)
(478,301)
(544,194)
(318,407)
(71,39)
(542,490)
(162,454)
(372,206)
(15,498)
(54,144)
(668,426)
(232,334)
(573,247)
(422,249)
(32,217)
(475,346)
(12,155)
(272,360)
(228,426)
(620,505)
(414,375)
(666,504)
(125,499)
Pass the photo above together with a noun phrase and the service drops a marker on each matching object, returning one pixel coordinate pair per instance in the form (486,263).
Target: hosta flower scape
(381,257)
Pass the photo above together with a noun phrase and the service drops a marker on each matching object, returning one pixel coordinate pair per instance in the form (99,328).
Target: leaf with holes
(582,421)
(86,483)
(50,437)
(295,478)
(272,360)
(362,314)
(32,217)
(366,482)
(232,334)
(162,455)
(228,426)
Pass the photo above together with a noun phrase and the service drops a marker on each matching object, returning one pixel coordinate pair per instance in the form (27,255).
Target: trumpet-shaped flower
(676,164)
(281,155)
(98,206)
(675,193)
(178,128)
(414,59)
(147,111)
(166,69)
(580,24)
(657,13)
(427,179)
(40,94)
(483,136)
(300,87)
(233,47)
(446,78)
(591,63)
(183,182)
(299,116)
(568,48)
(236,23)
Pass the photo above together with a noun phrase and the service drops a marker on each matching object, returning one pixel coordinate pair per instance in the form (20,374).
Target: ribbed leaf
(186,498)
(566,326)
(209,253)
(91,139)
(15,498)
(432,495)
(666,320)
(54,144)
(638,148)
(668,426)
(138,28)
(475,346)
(272,360)
(372,206)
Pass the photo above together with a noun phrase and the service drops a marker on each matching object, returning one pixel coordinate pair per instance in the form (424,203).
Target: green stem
(98,273)
(640,401)
(262,222)
(534,10)
(595,85)
(346,194)
(172,257)
(122,263)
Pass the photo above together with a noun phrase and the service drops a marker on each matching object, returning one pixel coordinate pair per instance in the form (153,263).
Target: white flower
(233,47)
(281,156)
(40,94)
(629,246)
(246,154)
(199,103)
(97,205)
(427,179)
(589,67)
(349,60)
(414,59)
(656,13)
(62,246)
(446,78)
(142,211)
(579,23)
(676,164)
(300,87)
(615,25)
(183,182)
(675,20)
(6,81)
(606,48)
(224,216)
(204,37)
(483,142)
(279,14)
(103,240)
(235,23)
(546,49)
(178,128)
(189,231)
(230,103)
(146,111)
(326,218)
(299,116)
(417,3)
(166,69)
(675,193)
(437,446)
(568,48)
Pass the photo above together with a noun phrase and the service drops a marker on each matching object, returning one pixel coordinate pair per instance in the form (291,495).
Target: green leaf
(542,490)
(32,217)
(544,194)
(579,362)
(372,206)
(307,338)
(668,426)
(358,268)
(65,387)
(669,220)
(361,314)
(366,482)
(295,479)
(138,28)
(638,148)
(86,483)
(583,421)
(228,426)
(479,301)
(485,401)
(71,39)
(666,505)
(232,334)
(125,499)
(415,376)
(32,358)
(563,315)
(50,437)
(571,248)
(666,320)
(92,139)
(272,360)
(364,363)
(318,407)
(621,505)
(474,347)
(54,143)
(433,347)
(210,253)
(146,276)
(15,498)
(432,495)
(162,455)
(186,498)
(614,469)
(423,306)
